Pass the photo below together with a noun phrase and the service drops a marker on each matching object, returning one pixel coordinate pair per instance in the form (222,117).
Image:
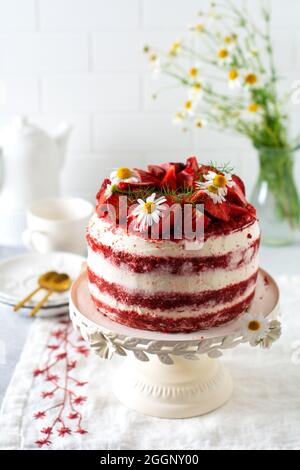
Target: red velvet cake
(146,276)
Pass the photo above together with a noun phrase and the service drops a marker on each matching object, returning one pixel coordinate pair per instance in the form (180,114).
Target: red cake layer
(171,300)
(167,325)
(187,265)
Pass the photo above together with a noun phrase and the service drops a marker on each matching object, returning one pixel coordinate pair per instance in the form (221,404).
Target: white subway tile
(296,51)
(43,53)
(117,51)
(168,155)
(88,93)
(16,15)
(138,132)
(285,13)
(209,139)
(284,50)
(164,94)
(19,94)
(166,14)
(66,15)
(83,174)
(81,132)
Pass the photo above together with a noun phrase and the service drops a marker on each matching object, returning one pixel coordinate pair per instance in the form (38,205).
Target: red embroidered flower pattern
(63,430)
(81,431)
(83,350)
(43,442)
(39,415)
(47,394)
(71,365)
(79,400)
(52,378)
(47,431)
(53,346)
(64,399)
(80,384)
(57,333)
(61,356)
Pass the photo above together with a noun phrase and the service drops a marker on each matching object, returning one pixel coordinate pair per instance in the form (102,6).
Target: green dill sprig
(222,167)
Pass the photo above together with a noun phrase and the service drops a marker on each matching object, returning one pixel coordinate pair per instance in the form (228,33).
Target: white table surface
(14,328)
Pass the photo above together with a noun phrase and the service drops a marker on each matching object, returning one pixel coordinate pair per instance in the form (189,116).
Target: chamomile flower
(175,49)
(233,79)
(253,107)
(154,63)
(216,185)
(197,28)
(200,123)
(193,72)
(210,17)
(124,174)
(223,55)
(189,107)
(230,41)
(149,212)
(179,118)
(196,91)
(255,328)
(250,79)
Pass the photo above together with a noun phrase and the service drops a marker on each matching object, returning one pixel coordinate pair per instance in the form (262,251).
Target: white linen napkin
(263,413)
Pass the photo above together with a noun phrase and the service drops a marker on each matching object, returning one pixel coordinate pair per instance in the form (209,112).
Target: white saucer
(19,275)
(45,312)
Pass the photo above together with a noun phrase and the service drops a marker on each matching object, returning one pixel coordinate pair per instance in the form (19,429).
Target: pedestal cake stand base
(182,390)
(167,375)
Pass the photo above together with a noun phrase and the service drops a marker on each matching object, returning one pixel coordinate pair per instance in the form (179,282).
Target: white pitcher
(30,163)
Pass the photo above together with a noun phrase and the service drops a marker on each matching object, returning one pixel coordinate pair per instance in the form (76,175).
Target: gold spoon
(60,283)
(44,282)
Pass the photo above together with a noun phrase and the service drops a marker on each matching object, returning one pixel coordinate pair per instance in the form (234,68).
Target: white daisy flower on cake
(125,175)
(216,185)
(149,212)
(255,328)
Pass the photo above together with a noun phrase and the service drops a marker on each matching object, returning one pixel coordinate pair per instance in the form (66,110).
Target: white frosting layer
(181,312)
(101,230)
(160,282)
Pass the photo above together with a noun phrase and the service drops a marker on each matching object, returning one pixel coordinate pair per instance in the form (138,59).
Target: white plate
(45,312)
(19,276)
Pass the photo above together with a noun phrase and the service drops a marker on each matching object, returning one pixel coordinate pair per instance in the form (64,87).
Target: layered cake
(144,274)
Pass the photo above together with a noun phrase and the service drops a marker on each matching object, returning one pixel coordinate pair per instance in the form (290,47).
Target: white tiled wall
(82,61)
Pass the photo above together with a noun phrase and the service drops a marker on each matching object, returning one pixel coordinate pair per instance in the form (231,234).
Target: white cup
(57,224)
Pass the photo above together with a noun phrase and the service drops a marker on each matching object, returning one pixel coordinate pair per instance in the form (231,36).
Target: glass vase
(276,198)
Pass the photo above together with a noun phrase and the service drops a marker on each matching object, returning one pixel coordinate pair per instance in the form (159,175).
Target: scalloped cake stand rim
(265,301)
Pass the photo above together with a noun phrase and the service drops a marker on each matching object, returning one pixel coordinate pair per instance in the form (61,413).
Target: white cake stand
(167,375)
